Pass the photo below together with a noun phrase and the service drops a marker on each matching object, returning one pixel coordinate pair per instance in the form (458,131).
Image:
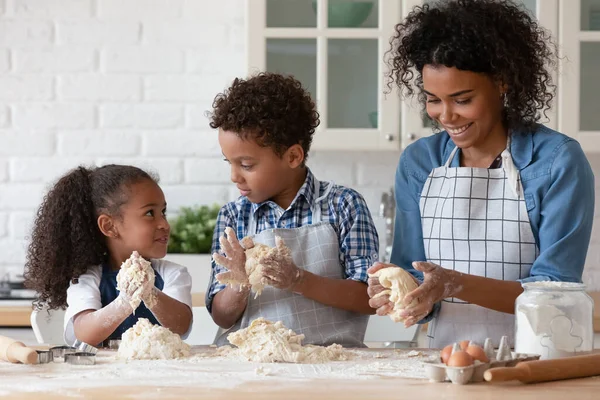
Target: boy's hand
(234,259)
(279,269)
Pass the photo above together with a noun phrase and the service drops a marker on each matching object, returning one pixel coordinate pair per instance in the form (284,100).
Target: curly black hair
(272,109)
(66,239)
(493,37)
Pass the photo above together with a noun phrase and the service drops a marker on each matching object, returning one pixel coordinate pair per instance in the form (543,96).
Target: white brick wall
(130,81)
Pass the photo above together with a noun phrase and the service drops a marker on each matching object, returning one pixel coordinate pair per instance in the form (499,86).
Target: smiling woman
(480,204)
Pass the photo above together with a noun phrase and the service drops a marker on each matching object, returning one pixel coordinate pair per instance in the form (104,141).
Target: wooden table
(324,389)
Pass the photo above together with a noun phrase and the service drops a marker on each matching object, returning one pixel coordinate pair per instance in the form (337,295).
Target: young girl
(89,223)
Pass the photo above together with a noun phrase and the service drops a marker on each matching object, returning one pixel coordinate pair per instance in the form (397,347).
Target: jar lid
(553,285)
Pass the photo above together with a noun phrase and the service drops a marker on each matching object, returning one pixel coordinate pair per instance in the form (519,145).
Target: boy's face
(258,172)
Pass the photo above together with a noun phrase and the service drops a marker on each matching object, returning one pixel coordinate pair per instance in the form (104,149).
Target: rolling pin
(13,351)
(547,370)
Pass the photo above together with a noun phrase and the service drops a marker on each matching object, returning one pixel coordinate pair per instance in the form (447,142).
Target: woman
(495,199)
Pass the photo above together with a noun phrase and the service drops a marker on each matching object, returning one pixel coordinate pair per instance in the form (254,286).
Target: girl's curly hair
(273,109)
(66,240)
(493,37)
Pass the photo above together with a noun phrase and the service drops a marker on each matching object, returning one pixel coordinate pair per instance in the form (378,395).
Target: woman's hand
(380,302)
(438,284)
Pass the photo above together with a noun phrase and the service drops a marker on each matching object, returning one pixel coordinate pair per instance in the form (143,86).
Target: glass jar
(554,320)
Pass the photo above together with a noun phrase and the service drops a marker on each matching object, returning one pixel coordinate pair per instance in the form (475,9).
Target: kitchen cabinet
(579,71)
(336,48)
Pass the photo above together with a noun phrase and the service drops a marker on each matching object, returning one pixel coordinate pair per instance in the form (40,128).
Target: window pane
(291,14)
(352,83)
(296,57)
(352,14)
(589,117)
(590,15)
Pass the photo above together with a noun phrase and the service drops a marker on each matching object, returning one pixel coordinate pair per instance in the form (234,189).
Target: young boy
(266,124)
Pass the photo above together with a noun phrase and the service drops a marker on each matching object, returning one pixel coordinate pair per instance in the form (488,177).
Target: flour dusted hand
(438,284)
(278,268)
(145,341)
(396,284)
(234,259)
(265,341)
(135,281)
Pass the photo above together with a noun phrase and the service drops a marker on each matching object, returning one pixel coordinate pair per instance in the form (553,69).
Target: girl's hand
(438,283)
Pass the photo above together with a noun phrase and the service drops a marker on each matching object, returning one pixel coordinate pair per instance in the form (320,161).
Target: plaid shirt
(344,208)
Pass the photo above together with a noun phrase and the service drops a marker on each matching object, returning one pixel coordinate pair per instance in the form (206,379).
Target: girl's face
(142,225)
(468,105)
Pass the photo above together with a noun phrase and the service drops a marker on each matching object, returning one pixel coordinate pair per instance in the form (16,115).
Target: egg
(460,359)
(445,353)
(464,344)
(477,353)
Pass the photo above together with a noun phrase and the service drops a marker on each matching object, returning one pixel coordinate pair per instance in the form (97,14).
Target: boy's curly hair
(493,37)
(272,109)
(66,240)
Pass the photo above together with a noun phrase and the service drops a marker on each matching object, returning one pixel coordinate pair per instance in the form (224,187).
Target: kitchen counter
(377,373)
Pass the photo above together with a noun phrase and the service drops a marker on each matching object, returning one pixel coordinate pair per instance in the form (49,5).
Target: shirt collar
(306,190)
(521,149)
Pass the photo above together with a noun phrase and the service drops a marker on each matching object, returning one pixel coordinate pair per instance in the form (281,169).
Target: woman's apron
(475,221)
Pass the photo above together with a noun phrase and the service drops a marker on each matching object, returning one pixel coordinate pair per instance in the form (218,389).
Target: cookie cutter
(58,352)
(437,371)
(45,356)
(83,347)
(80,358)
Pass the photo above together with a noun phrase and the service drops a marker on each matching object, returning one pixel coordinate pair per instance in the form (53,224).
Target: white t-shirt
(85,295)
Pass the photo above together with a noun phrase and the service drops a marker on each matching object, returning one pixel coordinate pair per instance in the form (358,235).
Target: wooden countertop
(382,389)
(293,386)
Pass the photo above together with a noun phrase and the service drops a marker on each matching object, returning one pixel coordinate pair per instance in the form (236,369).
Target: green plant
(192,229)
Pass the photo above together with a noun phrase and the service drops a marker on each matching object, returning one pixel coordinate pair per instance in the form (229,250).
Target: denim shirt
(558,186)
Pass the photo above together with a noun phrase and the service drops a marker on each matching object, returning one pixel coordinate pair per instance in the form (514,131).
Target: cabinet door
(416,124)
(579,115)
(335,48)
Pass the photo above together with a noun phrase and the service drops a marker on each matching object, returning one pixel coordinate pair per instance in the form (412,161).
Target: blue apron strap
(109,292)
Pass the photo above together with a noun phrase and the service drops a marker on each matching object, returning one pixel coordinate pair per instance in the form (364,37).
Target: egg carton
(437,371)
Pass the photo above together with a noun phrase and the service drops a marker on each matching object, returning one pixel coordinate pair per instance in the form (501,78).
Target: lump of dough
(254,269)
(398,283)
(136,271)
(266,342)
(146,341)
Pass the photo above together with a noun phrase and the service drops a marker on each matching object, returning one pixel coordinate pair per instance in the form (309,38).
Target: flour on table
(267,342)
(136,271)
(398,283)
(146,341)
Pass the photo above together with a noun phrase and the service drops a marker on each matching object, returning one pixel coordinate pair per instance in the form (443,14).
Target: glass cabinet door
(335,48)
(579,78)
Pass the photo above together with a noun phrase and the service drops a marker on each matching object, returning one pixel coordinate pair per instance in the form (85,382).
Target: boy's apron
(315,248)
